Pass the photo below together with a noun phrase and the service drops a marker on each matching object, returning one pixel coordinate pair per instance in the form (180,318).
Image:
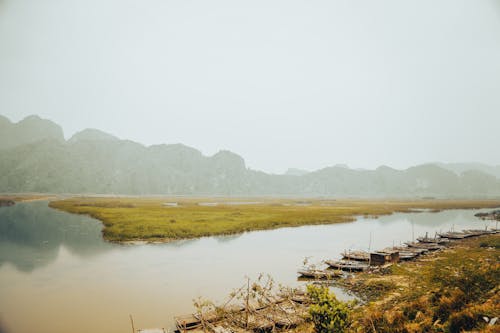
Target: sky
(284,83)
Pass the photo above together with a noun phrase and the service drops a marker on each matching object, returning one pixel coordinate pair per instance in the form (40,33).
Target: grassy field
(163,219)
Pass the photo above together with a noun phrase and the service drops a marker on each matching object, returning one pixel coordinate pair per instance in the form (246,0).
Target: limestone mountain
(30,129)
(91,134)
(38,159)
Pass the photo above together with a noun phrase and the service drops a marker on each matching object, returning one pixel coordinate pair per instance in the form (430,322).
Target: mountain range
(35,157)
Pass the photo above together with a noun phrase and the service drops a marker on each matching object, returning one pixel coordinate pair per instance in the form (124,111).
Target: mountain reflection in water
(31,235)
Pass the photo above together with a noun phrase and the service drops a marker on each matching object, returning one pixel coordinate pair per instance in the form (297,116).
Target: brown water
(58,276)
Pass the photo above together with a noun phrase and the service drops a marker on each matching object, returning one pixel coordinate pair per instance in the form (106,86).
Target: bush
(327,313)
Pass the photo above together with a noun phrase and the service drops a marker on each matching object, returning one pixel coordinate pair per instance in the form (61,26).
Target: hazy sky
(286,83)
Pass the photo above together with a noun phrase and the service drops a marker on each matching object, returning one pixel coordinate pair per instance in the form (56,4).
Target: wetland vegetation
(454,290)
(164,219)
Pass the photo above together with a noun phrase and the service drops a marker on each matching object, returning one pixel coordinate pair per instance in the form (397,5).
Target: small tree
(328,314)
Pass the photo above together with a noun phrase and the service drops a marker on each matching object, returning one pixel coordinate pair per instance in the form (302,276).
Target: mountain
(38,159)
(460,168)
(30,129)
(296,172)
(91,134)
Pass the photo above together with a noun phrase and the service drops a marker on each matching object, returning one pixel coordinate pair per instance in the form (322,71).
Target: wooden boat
(356,255)
(436,240)
(407,255)
(427,246)
(319,274)
(194,321)
(348,265)
(479,232)
(285,309)
(415,250)
(454,235)
(405,252)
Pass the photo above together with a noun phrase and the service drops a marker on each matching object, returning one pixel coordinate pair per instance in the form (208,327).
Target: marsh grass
(128,218)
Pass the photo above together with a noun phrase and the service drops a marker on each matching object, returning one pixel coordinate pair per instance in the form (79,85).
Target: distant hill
(296,172)
(36,158)
(30,129)
(91,134)
(460,168)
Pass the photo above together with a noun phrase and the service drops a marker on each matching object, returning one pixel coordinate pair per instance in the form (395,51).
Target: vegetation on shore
(454,290)
(163,219)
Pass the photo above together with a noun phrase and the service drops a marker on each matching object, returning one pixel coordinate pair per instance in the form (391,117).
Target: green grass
(129,218)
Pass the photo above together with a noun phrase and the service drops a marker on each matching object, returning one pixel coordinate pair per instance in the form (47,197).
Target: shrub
(327,313)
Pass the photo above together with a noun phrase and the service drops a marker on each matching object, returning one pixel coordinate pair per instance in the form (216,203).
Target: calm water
(58,276)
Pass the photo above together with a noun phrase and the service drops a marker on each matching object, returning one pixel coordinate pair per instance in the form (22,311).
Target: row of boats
(286,310)
(358,261)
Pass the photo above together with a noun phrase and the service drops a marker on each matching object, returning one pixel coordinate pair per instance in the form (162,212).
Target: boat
(405,253)
(348,265)
(412,249)
(455,235)
(436,240)
(408,255)
(427,246)
(284,312)
(479,232)
(415,250)
(319,274)
(356,255)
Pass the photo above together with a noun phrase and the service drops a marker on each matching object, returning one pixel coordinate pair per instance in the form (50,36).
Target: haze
(301,84)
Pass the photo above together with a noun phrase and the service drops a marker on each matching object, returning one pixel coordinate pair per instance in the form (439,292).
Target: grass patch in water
(140,218)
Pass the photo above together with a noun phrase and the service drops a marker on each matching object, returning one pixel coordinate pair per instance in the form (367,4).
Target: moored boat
(427,246)
(437,239)
(356,255)
(348,265)
(319,273)
(479,232)
(455,235)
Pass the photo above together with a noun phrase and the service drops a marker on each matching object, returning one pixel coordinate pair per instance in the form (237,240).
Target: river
(57,275)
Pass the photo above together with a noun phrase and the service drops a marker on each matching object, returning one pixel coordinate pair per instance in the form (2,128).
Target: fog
(301,84)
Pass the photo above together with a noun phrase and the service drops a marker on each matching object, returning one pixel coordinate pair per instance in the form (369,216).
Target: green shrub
(327,313)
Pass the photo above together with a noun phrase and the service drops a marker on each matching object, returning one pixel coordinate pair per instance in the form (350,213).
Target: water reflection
(228,238)
(432,219)
(31,235)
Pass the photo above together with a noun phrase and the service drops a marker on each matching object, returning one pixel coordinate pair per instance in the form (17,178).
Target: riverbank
(129,219)
(446,291)
(451,290)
